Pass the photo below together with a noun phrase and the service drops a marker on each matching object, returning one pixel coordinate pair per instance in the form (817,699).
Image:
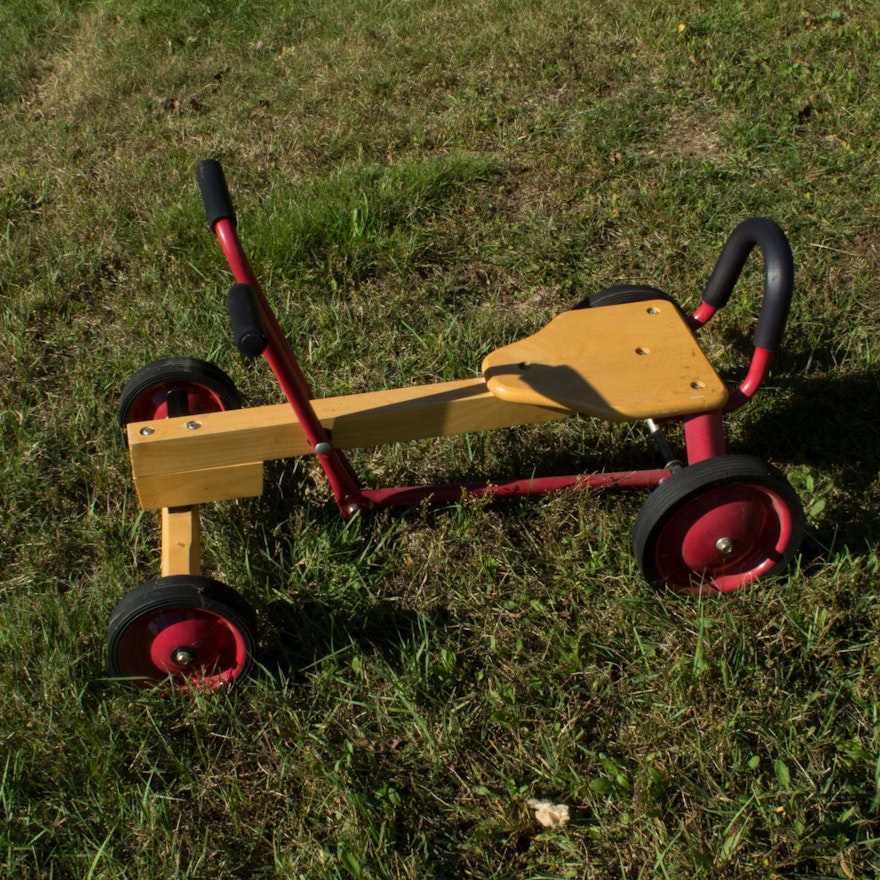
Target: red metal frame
(278,353)
(704,433)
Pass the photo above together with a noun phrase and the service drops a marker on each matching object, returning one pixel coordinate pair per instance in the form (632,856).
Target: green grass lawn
(418,183)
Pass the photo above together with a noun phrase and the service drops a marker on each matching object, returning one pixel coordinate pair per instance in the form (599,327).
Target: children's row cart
(712,522)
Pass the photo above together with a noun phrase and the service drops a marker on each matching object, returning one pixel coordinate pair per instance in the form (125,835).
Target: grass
(418,183)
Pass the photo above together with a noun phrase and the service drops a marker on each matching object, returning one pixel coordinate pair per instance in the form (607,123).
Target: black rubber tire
(623,293)
(206,386)
(718,525)
(209,623)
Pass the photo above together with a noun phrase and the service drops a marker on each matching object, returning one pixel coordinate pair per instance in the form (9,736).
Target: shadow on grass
(832,426)
(305,633)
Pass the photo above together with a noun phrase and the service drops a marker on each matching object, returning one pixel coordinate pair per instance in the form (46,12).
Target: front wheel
(187,629)
(718,525)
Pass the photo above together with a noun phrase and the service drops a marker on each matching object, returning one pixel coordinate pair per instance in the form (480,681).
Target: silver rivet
(323,448)
(183,656)
(193,426)
(145,432)
(724,546)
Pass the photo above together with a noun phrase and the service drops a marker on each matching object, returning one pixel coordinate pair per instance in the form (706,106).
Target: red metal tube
(448,492)
(704,436)
(283,363)
(701,316)
(758,370)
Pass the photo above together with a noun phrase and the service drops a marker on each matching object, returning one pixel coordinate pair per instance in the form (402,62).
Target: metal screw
(724,546)
(193,426)
(145,432)
(323,448)
(183,656)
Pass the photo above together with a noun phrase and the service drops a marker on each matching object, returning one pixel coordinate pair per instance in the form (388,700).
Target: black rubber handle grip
(247,324)
(215,193)
(778,276)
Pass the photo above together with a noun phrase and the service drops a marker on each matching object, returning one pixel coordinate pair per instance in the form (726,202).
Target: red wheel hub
(728,536)
(154,403)
(190,643)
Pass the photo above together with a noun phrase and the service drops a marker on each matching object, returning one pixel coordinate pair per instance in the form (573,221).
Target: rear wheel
(176,386)
(718,525)
(622,293)
(190,630)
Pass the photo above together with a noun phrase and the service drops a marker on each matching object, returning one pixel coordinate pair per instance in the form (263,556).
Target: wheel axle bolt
(183,656)
(724,546)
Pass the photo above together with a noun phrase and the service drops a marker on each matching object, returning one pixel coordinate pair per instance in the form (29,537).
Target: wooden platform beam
(218,456)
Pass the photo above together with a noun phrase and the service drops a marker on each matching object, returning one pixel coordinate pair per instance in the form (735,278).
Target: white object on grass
(550,815)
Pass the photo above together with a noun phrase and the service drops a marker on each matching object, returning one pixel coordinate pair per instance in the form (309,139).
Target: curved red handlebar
(778,291)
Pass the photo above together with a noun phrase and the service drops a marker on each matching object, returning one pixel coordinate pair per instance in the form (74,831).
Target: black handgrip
(778,276)
(247,323)
(215,193)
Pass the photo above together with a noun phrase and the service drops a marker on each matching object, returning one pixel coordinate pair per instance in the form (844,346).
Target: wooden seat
(620,363)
